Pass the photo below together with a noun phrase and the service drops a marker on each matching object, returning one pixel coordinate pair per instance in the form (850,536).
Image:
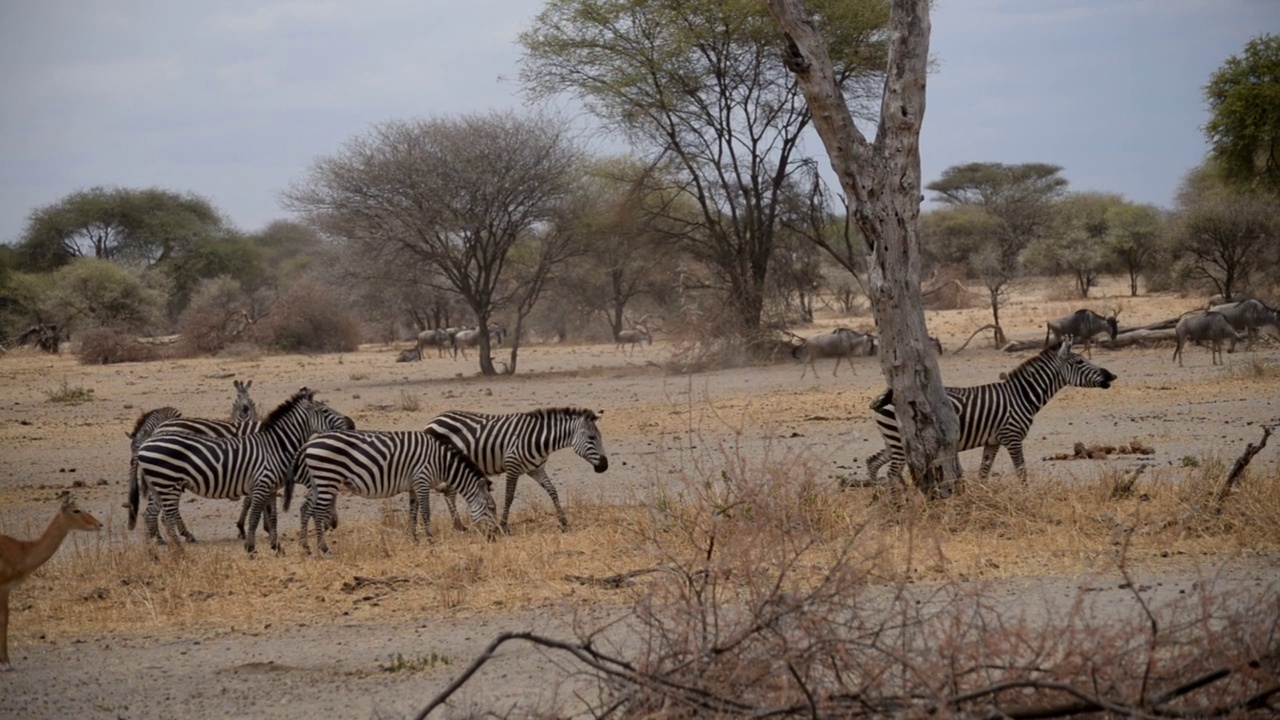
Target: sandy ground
(654,423)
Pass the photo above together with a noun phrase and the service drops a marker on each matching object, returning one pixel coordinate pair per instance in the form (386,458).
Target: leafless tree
(480,205)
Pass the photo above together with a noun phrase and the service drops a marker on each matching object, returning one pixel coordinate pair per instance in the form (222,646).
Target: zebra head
(243,410)
(587,442)
(1079,372)
(303,412)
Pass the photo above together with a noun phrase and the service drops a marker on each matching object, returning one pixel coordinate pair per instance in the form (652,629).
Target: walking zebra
(519,444)
(231,467)
(995,414)
(380,464)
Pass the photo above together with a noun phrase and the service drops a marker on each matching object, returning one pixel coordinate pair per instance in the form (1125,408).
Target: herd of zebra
(304,441)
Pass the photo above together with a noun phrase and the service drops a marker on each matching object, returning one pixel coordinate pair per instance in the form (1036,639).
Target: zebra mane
(303,395)
(147,415)
(1034,360)
(544,412)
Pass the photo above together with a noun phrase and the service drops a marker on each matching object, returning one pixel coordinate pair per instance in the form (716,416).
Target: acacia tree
(1244,107)
(466,202)
(1078,241)
(881,179)
(1224,236)
(121,224)
(1134,239)
(696,87)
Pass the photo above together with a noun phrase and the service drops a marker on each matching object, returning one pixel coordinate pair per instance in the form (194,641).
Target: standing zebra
(519,444)
(995,414)
(380,464)
(229,468)
(243,410)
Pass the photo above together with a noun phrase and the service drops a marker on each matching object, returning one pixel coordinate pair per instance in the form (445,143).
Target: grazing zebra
(243,410)
(380,464)
(995,414)
(519,444)
(229,468)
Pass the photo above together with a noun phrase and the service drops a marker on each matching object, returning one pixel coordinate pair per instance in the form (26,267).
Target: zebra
(841,343)
(1082,325)
(995,414)
(379,464)
(1199,327)
(231,467)
(243,410)
(632,337)
(519,444)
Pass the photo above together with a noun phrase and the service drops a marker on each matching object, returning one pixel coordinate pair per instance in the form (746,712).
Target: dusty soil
(654,422)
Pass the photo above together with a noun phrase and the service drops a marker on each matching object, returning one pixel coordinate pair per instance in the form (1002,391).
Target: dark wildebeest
(1248,317)
(839,343)
(1221,299)
(1082,325)
(1201,327)
(633,337)
(438,338)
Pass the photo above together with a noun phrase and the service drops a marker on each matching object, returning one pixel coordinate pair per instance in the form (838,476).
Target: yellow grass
(751,516)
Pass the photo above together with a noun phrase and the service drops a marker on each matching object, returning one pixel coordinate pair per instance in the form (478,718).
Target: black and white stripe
(381,464)
(996,414)
(520,443)
(254,464)
(243,410)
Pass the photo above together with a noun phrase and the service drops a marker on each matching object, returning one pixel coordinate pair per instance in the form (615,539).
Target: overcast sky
(232,100)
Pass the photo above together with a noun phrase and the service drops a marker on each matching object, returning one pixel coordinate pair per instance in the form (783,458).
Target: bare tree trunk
(882,182)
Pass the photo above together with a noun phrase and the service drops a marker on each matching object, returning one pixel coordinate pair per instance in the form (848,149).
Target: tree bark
(882,182)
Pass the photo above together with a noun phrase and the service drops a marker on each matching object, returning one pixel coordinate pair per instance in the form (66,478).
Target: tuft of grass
(399,663)
(410,401)
(358,376)
(69,395)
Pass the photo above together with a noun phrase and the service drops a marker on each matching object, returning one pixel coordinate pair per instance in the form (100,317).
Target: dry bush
(105,346)
(216,317)
(946,290)
(310,317)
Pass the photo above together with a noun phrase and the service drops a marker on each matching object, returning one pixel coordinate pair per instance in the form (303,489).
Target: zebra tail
(290,478)
(133,496)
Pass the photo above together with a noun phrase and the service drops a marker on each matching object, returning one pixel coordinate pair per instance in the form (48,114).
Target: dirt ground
(654,422)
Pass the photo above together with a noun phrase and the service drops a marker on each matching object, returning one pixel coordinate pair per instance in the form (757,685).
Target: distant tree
(1077,242)
(141,227)
(90,293)
(697,88)
(969,236)
(1223,235)
(467,202)
(1135,238)
(1244,108)
(1020,199)
(232,255)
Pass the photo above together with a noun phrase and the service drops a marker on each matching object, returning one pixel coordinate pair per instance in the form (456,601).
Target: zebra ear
(1065,349)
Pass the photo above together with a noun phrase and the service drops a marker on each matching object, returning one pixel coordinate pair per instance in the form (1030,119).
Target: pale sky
(232,100)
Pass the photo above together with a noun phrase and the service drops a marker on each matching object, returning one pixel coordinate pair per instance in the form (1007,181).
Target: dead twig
(1237,470)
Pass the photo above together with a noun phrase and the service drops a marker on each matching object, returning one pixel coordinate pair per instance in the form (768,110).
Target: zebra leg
(151,518)
(272,515)
(451,501)
(544,480)
(321,509)
(169,512)
(988,457)
(1019,462)
(304,512)
(421,492)
(244,512)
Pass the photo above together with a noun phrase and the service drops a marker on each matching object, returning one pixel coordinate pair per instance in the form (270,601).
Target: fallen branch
(999,335)
(1237,470)
(614,582)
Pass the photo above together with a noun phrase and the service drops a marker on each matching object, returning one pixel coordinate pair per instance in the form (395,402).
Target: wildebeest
(1234,297)
(1247,316)
(440,338)
(839,343)
(470,337)
(1082,325)
(1201,327)
(632,337)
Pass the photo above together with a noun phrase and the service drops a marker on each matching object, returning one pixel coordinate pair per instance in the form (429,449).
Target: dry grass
(737,510)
